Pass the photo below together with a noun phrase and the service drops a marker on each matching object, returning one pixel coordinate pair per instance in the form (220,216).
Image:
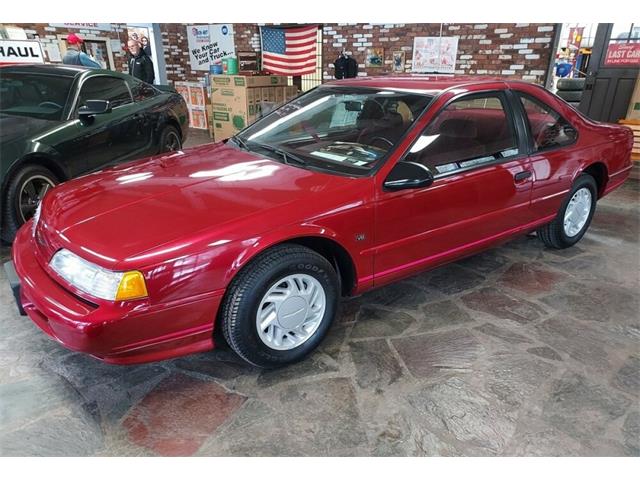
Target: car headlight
(97,281)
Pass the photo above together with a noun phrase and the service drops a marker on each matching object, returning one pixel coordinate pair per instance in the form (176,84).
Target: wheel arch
(598,170)
(328,247)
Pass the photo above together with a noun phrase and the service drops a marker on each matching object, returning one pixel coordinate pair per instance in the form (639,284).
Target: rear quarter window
(548,128)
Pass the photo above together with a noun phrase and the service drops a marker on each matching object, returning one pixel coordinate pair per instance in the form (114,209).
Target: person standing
(75,56)
(140,65)
(146,46)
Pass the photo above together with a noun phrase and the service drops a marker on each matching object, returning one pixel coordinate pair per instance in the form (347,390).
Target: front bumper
(115,332)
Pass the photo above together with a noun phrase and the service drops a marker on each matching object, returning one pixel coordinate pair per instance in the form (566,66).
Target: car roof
(418,82)
(45,69)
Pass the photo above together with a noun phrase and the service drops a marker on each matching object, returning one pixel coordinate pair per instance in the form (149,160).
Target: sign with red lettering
(623,55)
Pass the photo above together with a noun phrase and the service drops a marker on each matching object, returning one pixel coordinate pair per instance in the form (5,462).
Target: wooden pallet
(635,126)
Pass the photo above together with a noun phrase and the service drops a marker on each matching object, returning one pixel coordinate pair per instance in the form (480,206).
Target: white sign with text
(209,44)
(21,51)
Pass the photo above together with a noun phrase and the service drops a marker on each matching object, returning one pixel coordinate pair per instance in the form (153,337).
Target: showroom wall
(48,36)
(518,50)
(521,50)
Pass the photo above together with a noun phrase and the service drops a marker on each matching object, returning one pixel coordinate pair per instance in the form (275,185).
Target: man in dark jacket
(140,65)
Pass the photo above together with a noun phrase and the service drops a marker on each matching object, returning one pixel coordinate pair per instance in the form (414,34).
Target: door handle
(521,176)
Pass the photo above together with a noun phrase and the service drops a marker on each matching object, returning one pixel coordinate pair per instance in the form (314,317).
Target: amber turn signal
(132,286)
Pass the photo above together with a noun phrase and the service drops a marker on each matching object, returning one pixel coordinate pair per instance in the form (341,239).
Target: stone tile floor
(517,351)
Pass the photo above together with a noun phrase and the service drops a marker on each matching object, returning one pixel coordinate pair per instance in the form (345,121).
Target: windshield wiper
(241,143)
(286,156)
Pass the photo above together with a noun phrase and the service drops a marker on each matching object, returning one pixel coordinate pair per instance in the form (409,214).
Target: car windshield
(347,130)
(39,96)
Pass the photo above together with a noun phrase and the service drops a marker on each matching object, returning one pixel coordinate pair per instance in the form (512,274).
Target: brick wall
(521,50)
(48,35)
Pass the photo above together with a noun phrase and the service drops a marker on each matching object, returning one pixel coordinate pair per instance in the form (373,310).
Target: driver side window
(472,131)
(112,89)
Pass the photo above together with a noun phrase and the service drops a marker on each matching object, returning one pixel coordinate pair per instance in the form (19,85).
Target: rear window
(35,95)
(548,129)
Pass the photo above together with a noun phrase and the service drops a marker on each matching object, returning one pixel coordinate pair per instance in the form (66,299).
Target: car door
(149,109)
(480,192)
(110,137)
(553,165)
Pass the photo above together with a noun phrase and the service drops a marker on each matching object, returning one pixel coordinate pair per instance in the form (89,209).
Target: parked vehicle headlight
(97,281)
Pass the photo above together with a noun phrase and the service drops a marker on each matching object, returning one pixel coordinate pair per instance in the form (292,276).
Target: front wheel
(574,216)
(24,192)
(170,140)
(280,306)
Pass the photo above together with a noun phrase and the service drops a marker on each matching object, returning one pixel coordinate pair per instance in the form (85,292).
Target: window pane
(345,129)
(40,96)
(105,88)
(548,128)
(620,32)
(470,132)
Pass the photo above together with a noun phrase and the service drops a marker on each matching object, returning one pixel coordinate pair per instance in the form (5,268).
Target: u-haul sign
(21,51)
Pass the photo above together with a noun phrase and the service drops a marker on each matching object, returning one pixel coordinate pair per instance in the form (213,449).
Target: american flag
(289,51)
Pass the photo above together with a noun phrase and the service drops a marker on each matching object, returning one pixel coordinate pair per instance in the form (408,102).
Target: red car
(354,185)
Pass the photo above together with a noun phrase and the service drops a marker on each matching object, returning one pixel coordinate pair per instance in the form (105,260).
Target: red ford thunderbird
(354,185)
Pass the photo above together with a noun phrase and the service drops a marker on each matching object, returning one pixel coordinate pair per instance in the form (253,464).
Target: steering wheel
(386,140)
(50,104)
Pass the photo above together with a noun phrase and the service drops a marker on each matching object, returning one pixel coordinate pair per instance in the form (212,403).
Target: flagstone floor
(517,351)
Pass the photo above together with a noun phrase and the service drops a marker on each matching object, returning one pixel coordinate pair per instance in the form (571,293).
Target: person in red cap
(75,56)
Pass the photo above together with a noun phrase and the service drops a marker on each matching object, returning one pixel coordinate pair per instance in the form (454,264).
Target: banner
(209,44)
(575,38)
(20,51)
(435,54)
(623,54)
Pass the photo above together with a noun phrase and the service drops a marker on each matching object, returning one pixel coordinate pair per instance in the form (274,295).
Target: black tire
(170,140)
(12,216)
(570,95)
(240,305)
(570,84)
(553,234)
(575,105)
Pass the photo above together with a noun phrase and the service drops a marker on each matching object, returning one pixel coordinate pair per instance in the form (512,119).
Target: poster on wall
(140,35)
(209,44)
(623,54)
(435,54)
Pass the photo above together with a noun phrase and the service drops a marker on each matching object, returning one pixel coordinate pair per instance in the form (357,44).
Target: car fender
(283,235)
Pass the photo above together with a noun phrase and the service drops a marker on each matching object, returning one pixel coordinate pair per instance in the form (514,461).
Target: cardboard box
(233,109)
(291,91)
(247,81)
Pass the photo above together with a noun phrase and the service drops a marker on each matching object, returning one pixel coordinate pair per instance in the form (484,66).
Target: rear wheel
(170,140)
(574,216)
(280,306)
(24,192)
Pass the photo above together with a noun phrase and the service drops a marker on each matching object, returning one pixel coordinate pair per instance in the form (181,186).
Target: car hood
(116,215)
(16,127)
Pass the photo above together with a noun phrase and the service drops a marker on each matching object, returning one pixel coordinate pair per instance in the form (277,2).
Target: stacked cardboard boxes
(236,100)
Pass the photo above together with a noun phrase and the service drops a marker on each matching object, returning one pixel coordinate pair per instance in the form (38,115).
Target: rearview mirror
(353,106)
(94,107)
(406,175)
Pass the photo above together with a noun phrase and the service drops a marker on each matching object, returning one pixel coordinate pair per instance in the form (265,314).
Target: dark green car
(59,122)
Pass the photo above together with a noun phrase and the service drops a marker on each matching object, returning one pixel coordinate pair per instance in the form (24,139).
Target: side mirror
(406,175)
(94,107)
